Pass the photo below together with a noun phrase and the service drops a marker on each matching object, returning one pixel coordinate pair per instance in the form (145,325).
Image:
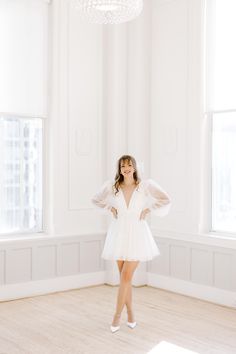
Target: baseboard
(203,292)
(41,287)
(48,286)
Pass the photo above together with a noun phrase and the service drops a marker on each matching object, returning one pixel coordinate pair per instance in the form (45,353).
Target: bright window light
(224,172)
(169,348)
(221,111)
(21,175)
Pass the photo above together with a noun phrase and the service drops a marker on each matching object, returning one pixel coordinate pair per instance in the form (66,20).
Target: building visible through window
(23,109)
(21,175)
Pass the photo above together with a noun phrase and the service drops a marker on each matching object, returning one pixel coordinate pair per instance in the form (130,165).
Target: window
(221,110)
(21,177)
(23,109)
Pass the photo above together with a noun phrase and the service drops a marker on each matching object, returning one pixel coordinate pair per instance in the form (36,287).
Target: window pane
(224,172)
(21,175)
(221,51)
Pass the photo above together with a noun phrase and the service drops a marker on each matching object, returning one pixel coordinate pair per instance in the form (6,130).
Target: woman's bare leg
(125,283)
(128,302)
(129,295)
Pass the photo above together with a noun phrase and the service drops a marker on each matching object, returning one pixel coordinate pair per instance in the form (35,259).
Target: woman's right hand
(114,212)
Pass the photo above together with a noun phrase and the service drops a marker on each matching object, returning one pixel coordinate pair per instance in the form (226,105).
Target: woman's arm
(101,198)
(160,202)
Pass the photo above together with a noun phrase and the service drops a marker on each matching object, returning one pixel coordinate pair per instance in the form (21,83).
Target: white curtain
(23,57)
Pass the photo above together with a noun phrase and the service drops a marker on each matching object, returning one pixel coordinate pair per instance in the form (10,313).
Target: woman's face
(126,168)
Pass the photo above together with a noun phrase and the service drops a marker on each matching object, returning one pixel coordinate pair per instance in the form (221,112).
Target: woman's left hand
(144,213)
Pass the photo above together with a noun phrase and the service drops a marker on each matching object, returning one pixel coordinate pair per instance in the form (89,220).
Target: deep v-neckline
(127,206)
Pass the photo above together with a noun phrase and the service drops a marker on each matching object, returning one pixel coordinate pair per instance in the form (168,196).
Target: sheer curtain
(23,108)
(221,110)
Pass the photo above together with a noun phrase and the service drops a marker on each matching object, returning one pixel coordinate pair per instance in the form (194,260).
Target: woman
(129,239)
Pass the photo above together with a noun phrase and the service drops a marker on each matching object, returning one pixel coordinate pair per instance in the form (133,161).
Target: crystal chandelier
(109,11)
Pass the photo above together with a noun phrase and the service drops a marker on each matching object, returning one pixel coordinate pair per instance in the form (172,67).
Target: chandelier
(108,11)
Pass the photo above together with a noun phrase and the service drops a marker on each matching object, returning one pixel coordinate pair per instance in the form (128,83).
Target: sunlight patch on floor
(168,348)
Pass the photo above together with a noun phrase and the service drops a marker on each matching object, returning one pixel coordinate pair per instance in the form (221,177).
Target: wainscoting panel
(195,269)
(201,266)
(224,271)
(198,263)
(90,256)
(161,262)
(45,265)
(179,262)
(69,259)
(2,267)
(18,265)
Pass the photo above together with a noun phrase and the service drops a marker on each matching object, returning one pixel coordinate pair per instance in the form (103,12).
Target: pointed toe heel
(132,324)
(114,328)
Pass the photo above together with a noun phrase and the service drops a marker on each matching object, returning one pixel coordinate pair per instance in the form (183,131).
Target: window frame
(208,114)
(44,170)
(46,142)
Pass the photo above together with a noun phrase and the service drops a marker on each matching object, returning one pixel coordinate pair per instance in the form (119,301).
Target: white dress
(128,237)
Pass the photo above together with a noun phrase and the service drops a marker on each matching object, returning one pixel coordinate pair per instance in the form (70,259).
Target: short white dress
(129,237)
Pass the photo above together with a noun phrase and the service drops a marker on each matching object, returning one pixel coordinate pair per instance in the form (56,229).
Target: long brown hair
(119,178)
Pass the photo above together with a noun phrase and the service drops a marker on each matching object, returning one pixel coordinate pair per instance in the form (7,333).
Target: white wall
(132,88)
(76,121)
(177,108)
(191,261)
(67,255)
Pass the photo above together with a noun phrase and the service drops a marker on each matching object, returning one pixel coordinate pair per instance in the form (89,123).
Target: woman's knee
(120,265)
(128,270)
(126,276)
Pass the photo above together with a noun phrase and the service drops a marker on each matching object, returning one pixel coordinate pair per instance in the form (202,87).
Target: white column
(138,138)
(139,65)
(114,109)
(127,103)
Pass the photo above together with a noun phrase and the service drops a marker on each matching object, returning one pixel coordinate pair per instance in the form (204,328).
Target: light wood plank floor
(78,322)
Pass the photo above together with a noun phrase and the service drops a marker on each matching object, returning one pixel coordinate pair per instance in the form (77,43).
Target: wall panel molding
(193,262)
(199,291)
(38,260)
(49,286)
(84,81)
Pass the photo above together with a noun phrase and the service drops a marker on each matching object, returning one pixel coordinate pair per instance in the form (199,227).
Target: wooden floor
(78,321)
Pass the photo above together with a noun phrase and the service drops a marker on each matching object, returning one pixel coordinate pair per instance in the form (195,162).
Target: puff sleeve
(159,201)
(101,200)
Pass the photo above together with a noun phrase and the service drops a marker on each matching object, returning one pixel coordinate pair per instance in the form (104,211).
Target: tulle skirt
(129,239)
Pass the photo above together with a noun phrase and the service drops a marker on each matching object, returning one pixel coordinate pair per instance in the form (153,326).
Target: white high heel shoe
(131,324)
(115,328)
